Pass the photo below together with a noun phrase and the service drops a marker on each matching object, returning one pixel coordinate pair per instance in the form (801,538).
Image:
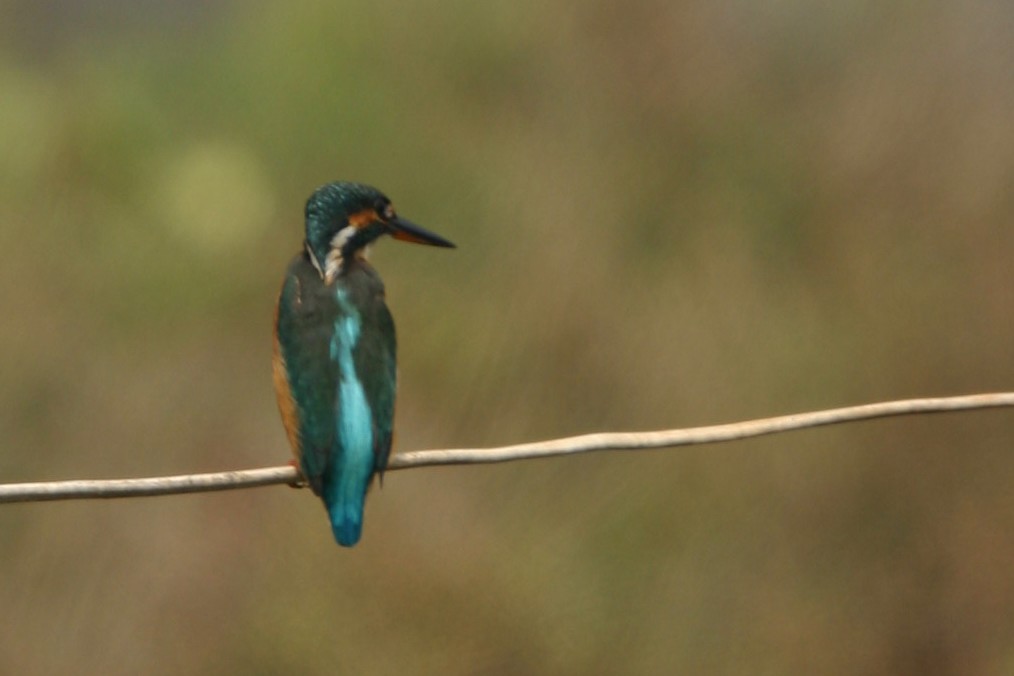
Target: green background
(668,214)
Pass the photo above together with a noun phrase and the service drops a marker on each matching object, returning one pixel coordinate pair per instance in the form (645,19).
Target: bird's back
(335,378)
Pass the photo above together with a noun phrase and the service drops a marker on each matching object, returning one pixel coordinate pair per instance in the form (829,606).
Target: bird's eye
(387,211)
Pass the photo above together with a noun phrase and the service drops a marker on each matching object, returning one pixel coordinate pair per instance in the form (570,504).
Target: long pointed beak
(407,231)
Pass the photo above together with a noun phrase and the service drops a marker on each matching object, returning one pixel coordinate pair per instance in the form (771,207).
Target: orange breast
(286,404)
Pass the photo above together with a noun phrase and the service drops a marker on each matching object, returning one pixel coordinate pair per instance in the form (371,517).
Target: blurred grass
(667,214)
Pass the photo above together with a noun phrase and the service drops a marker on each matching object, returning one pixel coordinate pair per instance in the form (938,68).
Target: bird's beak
(407,231)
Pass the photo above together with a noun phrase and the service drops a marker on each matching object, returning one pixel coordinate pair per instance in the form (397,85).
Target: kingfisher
(334,349)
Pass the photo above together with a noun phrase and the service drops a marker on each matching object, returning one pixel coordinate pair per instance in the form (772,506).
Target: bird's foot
(300,481)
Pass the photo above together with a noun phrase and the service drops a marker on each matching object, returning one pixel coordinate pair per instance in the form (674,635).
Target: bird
(334,362)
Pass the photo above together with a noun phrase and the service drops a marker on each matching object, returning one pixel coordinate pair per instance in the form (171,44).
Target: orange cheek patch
(361,219)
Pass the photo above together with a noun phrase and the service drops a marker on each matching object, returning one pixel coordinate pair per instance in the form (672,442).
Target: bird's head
(343,219)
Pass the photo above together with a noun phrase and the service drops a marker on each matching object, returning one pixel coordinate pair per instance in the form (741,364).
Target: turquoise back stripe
(353,457)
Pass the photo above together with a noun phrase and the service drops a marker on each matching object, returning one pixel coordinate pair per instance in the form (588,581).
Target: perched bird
(334,352)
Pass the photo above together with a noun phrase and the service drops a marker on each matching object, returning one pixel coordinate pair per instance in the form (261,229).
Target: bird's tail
(344,496)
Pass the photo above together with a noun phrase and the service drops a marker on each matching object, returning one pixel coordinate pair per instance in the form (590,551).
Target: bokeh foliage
(668,214)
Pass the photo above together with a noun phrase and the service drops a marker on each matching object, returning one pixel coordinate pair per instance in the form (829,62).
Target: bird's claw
(300,481)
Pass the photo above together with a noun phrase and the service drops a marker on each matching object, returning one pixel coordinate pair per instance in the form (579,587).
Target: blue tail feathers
(344,496)
(347,525)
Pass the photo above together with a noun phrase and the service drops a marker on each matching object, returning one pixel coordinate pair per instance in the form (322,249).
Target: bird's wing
(376,364)
(306,393)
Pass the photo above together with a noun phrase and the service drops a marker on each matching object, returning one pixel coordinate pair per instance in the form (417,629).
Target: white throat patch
(313,260)
(333,262)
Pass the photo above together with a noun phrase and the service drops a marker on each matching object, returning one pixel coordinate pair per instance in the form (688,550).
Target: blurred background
(668,214)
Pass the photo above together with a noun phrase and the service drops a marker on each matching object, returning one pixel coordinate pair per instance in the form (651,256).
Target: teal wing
(377,368)
(303,329)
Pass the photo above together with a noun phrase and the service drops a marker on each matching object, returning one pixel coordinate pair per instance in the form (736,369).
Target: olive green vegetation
(668,214)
